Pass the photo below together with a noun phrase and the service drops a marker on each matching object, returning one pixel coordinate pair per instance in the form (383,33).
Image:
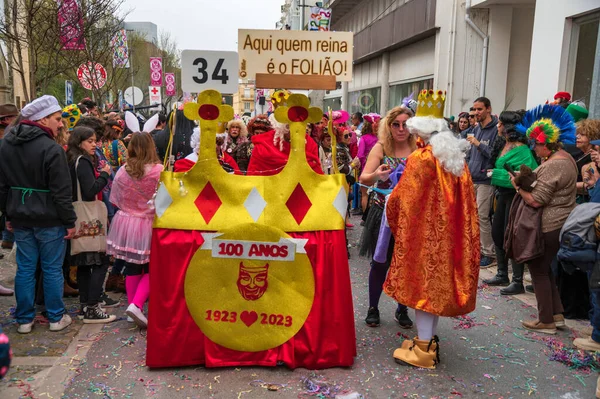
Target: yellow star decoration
(280,97)
(298,110)
(209,108)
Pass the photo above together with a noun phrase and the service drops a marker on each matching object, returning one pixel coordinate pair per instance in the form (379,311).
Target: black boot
(516,287)
(501,278)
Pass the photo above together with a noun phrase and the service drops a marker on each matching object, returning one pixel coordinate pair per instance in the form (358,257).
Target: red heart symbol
(249,318)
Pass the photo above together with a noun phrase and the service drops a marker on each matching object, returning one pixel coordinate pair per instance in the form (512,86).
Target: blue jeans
(8,236)
(46,244)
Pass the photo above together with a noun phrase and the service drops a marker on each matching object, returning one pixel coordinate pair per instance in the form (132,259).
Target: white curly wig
(280,131)
(195,144)
(449,150)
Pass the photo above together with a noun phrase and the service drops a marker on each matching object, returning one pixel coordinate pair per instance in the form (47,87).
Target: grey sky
(205,24)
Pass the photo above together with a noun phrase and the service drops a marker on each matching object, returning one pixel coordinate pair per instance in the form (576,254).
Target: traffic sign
(68,92)
(133,95)
(91,75)
(202,70)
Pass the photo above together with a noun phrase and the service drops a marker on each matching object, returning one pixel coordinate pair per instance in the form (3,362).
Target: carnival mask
(253,281)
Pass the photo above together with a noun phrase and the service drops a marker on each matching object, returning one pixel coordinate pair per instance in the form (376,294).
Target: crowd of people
(529,171)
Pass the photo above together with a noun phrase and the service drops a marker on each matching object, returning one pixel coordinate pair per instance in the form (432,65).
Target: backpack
(578,244)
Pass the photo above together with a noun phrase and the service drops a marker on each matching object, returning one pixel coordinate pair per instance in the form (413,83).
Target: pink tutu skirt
(129,237)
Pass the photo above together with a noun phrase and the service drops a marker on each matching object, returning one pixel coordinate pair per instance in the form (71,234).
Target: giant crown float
(207,198)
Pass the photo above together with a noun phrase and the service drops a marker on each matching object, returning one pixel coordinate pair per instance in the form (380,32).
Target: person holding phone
(394,145)
(512,154)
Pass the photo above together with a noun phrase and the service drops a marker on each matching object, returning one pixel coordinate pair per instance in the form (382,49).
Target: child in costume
(131,229)
(432,214)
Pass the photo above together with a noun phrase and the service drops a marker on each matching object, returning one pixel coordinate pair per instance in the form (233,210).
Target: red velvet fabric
(327,338)
(183,165)
(269,160)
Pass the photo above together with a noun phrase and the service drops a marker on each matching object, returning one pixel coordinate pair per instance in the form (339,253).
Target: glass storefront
(400,91)
(365,101)
(334,103)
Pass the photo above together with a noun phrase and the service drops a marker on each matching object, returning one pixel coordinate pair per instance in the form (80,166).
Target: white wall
(458,54)
(366,75)
(550,44)
(413,61)
(498,55)
(518,60)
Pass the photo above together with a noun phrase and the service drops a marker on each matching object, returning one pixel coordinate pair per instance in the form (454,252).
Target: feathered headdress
(548,124)
(372,117)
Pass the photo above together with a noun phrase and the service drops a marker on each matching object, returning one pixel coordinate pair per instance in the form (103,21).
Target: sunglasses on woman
(347,135)
(396,125)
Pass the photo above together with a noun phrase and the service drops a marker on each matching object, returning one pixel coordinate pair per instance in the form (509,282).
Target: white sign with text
(203,70)
(293,52)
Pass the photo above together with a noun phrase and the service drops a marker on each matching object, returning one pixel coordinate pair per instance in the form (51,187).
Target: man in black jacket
(35,196)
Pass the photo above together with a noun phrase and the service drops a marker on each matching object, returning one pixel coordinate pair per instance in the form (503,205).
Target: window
(334,103)
(400,91)
(582,57)
(247,93)
(365,101)
(246,105)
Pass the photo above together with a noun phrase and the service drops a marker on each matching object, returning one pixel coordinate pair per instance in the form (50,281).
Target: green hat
(577,111)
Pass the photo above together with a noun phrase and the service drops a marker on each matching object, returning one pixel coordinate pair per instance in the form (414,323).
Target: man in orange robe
(432,214)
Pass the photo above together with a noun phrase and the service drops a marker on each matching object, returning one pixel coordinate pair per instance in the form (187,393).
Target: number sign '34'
(203,70)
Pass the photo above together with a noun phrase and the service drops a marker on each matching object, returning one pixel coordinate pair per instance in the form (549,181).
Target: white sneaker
(130,320)
(137,315)
(25,328)
(61,324)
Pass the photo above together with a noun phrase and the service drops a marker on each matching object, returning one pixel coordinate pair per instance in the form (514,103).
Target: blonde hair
(384,133)
(589,128)
(141,152)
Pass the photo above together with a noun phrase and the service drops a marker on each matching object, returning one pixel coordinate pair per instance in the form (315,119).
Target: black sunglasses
(471,116)
(347,135)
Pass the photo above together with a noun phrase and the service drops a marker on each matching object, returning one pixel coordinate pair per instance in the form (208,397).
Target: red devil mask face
(253,281)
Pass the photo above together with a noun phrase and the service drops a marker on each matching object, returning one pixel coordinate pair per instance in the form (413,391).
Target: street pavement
(486,354)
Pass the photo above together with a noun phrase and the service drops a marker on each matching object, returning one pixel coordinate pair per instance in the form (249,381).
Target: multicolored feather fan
(548,124)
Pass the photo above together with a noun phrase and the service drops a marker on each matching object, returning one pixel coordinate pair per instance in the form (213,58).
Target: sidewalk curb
(52,381)
(576,326)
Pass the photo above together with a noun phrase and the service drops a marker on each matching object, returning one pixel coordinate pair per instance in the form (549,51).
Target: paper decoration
(254,295)
(71,25)
(320,19)
(156,73)
(170,86)
(120,49)
(92,76)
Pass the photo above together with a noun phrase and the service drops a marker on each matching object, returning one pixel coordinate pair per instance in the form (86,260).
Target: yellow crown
(431,103)
(207,198)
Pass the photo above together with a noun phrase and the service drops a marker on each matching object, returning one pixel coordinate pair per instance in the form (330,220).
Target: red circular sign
(91,75)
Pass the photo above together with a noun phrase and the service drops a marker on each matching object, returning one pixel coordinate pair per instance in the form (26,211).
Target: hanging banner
(91,75)
(71,25)
(120,49)
(155,96)
(171,88)
(294,52)
(320,19)
(156,72)
(68,92)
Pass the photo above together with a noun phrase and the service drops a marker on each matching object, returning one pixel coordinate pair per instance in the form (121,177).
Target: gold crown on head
(431,103)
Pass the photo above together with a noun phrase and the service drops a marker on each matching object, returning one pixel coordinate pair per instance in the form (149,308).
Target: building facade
(518,53)
(244,100)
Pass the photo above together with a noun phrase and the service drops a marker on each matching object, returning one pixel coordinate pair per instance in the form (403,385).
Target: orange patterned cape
(433,217)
